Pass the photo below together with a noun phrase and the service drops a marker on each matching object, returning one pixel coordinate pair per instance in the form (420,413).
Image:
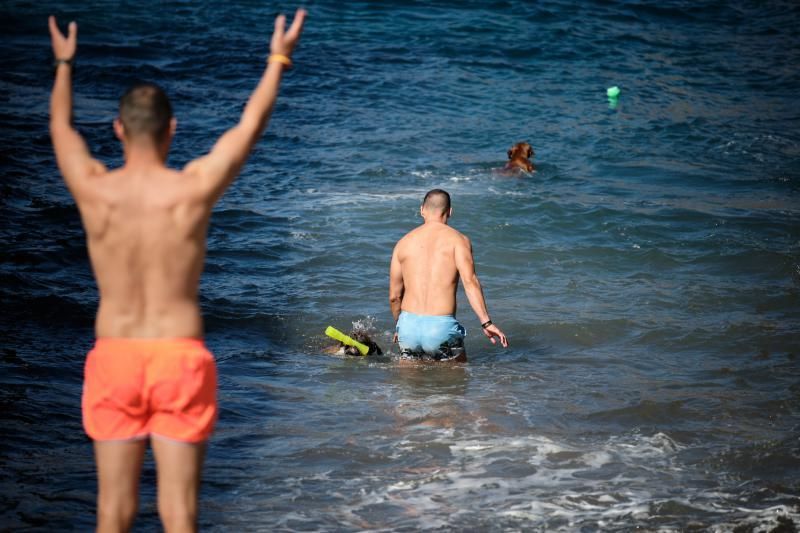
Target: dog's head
(363,338)
(521,150)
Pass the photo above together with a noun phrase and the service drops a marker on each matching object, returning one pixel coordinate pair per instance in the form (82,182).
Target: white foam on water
(564,485)
(292,516)
(301,235)
(422,173)
(365,325)
(761,519)
(358,198)
(499,192)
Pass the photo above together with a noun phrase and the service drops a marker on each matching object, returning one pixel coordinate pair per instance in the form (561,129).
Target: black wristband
(57,62)
(486,324)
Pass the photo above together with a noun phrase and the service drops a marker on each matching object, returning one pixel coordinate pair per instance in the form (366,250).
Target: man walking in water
(149,374)
(423,278)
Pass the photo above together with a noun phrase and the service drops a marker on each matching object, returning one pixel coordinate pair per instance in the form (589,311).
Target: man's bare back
(423,277)
(427,257)
(146,232)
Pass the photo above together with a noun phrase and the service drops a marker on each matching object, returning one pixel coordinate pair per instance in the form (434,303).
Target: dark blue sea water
(648,275)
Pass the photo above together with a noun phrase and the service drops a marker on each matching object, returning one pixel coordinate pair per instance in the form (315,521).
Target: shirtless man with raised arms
(149,375)
(423,278)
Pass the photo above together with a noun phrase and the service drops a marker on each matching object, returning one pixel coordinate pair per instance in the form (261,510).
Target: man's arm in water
(472,287)
(396,285)
(220,166)
(74,160)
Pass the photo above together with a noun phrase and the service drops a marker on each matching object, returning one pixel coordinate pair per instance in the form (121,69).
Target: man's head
(436,205)
(145,114)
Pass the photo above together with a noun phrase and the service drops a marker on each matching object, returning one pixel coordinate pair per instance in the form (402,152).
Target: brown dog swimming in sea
(519,157)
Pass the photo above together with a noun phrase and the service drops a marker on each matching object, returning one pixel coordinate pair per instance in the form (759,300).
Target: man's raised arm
(72,155)
(220,166)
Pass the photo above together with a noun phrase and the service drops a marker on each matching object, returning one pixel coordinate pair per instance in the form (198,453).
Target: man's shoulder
(411,234)
(94,183)
(408,239)
(424,231)
(439,236)
(118,181)
(157,177)
(456,235)
(403,241)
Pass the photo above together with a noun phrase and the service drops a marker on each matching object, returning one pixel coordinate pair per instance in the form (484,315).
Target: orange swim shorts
(135,388)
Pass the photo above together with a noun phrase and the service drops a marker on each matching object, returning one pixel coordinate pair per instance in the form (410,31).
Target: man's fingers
(297,24)
(280,24)
(51,22)
(494,332)
(73,31)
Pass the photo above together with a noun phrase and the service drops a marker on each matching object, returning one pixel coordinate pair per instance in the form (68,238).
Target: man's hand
(283,42)
(493,331)
(63,47)
(220,167)
(72,155)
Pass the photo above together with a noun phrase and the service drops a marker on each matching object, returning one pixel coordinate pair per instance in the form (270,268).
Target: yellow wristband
(280,58)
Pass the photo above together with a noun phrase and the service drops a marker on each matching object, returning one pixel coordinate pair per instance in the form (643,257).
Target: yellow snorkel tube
(334,333)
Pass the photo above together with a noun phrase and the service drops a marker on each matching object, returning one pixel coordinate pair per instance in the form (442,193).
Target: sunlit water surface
(648,275)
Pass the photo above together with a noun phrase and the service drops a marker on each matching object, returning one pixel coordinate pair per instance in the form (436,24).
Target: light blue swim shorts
(438,337)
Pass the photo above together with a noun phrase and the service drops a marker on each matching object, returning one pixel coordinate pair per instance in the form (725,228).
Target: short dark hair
(438,200)
(144,109)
